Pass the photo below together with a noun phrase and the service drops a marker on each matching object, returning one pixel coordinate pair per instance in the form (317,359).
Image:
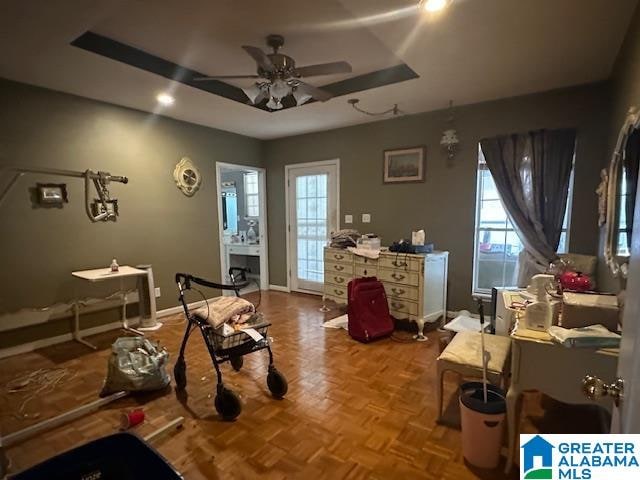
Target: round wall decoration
(187,177)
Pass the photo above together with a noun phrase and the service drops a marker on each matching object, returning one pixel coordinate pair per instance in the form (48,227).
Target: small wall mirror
(621,194)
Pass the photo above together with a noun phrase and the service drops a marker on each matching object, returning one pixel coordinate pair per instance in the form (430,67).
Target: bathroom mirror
(229,211)
(621,194)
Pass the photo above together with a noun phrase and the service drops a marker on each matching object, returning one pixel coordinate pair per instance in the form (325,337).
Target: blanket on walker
(226,310)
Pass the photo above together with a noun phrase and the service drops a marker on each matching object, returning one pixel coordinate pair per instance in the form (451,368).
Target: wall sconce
(449,140)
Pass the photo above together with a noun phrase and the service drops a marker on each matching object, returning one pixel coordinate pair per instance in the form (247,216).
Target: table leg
(513,396)
(76,326)
(420,337)
(513,417)
(125,322)
(125,325)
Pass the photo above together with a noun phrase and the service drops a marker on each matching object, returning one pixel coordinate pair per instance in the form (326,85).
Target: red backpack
(367,310)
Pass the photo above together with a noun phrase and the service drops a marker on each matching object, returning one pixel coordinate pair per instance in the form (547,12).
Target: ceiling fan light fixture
(252,92)
(279,89)
(301,97)
(274,103)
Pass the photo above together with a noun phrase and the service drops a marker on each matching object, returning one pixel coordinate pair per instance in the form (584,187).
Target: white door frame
(626,418)
(332,162)
(263,227)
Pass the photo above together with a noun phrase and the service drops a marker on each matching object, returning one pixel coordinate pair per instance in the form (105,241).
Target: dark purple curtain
(531,172)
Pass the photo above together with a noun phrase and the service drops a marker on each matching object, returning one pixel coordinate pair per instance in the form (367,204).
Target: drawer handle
(399,264)
(398,291)
(338,257)
(338,292)
(338,267)
(397,305)
(365,272)
(397,276)
(339,279)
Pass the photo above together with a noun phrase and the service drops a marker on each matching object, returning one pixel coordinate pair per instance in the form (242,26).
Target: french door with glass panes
(313,215)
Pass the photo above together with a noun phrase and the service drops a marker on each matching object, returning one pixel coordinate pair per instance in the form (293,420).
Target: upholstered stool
(463,355)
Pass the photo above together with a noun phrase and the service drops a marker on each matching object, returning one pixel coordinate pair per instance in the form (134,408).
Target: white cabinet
(415,284)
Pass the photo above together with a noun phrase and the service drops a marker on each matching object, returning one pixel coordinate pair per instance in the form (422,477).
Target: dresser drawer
(399,262)
(338,256)
(338,300)
(402,292)
(398,276)
(366,271)
(336,278)
(342,268)
(373,262)
(402,306)
(403,315)
(335,291)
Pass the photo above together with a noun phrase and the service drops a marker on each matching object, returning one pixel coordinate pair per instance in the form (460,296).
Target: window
(497,245)
(252,204)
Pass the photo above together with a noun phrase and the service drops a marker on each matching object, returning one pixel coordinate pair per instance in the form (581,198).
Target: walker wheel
(277,383)
(180,374)
(227,404)
(237,362)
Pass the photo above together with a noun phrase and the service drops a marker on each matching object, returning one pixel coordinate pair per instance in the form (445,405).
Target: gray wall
(625,92)
(445,203)
(157,224)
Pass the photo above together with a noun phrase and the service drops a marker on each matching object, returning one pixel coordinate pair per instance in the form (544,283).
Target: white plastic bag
(136,364)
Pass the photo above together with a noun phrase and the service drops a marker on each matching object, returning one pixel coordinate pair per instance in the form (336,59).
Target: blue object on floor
(121,456)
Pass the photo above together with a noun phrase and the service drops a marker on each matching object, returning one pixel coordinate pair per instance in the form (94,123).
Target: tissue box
(582,310)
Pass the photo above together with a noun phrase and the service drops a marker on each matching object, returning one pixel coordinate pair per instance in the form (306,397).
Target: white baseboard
(46,342)
(279,288)
(178,308)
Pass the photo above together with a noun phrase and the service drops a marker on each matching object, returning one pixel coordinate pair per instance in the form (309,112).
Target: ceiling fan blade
(324,69)
(315,92)
(260,57)
(221,77)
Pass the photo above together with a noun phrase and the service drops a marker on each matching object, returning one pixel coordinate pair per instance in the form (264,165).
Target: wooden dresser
(416,284)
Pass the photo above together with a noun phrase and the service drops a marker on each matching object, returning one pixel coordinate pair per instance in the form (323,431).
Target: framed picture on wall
(52,193)
(404,165)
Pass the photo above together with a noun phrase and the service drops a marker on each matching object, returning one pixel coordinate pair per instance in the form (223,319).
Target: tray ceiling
(476,50)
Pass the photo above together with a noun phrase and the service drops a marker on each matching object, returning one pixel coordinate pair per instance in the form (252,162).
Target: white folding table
(101,275)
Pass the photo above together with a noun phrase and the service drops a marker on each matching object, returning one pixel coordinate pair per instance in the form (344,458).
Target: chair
(463,355)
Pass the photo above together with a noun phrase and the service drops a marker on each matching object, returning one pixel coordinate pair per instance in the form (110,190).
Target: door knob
(594,389)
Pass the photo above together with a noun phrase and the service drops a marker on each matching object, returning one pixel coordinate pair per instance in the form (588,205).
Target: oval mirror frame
(617,264)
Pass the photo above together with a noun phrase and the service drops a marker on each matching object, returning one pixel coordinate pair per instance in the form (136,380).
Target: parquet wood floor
(353,411)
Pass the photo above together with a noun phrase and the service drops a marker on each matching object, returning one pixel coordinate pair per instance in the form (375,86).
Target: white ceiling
(474,51)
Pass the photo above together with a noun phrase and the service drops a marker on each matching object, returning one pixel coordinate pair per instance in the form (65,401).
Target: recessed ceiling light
(165,99)
(434,5)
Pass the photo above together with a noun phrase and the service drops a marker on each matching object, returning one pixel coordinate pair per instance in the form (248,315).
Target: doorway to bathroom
(242,222)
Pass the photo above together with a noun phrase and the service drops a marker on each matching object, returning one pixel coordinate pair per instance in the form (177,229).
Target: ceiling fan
(278,77)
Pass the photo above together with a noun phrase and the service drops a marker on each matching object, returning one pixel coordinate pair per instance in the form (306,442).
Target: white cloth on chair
(465,349)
